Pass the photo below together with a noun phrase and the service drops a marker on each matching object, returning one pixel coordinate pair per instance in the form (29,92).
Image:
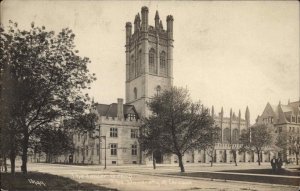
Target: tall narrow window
(163,65)
(135,93)
(158,89)
(138,63)
(226,136)
(113,149)
(133,149)
(235,136)
(152,66)
(132,67)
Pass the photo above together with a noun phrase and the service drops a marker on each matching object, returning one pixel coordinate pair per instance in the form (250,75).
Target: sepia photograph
(150,95)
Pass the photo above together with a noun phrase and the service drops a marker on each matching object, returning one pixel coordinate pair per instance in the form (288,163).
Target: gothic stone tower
(149,60)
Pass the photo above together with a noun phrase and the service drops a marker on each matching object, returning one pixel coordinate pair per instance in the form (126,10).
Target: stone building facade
(283,118)
(149,59)
(149,70)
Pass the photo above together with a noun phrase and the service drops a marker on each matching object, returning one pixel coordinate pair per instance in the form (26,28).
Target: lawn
(43,181)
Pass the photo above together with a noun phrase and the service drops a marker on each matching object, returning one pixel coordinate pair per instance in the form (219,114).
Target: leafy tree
(289,141)
(149,138)
(83,124)
(54,142)
(212,139)
(177,125)
(47,77)
(256,139)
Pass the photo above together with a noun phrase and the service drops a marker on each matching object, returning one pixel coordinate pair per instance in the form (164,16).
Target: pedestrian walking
(273,164)
(279,163)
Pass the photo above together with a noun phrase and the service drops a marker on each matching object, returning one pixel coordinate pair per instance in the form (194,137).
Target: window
(78,150)
(92,148)
(78,137)
(90,134)
(235,136)
(132,67)
(113,149)
(152,65)
(113,132)
(134,149)
(158,89)
(226,135)
(98,149)
(134,133)
(131,116)
(163,66)
(279,129)
(135,93)
(138,64)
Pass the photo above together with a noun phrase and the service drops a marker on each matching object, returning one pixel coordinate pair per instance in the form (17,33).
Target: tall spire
(156,19)
(212,111)
(247,117)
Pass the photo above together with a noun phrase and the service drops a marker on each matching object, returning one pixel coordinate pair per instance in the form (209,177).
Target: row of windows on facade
(290,129)
(135,66)
(291,119)
(113,132)
(228,137)
(135,91)
(113,149)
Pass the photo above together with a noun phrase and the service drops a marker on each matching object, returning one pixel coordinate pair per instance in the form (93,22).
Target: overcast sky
(227,53)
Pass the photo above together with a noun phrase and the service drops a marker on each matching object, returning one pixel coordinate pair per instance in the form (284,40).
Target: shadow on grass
(292,181)
(266,171)
(44,181)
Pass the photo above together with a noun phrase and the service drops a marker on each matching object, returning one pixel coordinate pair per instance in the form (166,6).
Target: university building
(149,70)
(283,119)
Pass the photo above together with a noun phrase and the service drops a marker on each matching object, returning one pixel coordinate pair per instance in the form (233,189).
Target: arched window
(219,135)
(152,65)
(135,93)
(235,136)
(158,89)
(163,65)
(132,67)
(138,64)
(226,136)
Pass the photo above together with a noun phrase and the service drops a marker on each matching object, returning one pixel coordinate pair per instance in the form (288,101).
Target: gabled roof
(281,113)
(112,110)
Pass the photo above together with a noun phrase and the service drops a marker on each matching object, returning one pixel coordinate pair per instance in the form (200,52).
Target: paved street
(145,178)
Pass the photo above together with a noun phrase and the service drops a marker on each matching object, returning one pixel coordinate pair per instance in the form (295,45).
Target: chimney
(120,113)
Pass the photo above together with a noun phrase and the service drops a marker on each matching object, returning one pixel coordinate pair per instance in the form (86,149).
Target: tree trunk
(5,164)
(258,156)
(297,160)
(154,163)
(180,163)
(24,153)
(211,163)
(234,157)
(12,163)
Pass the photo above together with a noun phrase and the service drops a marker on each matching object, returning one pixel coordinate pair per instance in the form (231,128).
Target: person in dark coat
(279,163)
(273,164)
